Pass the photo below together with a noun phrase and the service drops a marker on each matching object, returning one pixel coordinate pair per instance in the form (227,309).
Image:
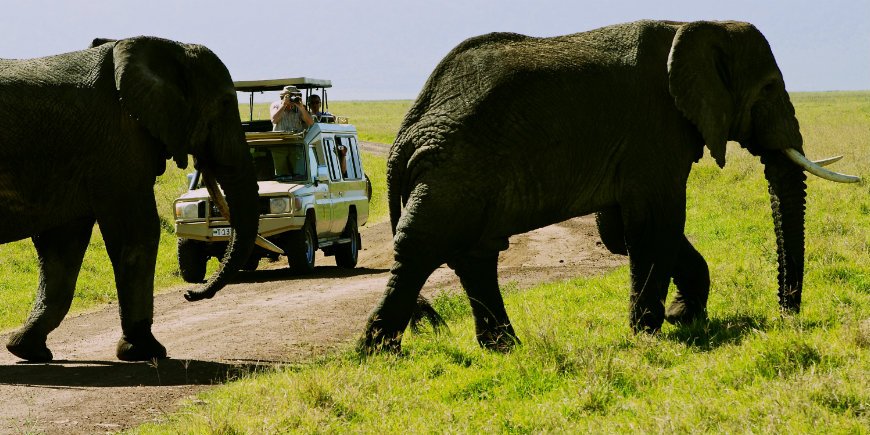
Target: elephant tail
(397,165)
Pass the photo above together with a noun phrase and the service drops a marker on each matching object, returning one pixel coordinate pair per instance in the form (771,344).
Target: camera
(296,98)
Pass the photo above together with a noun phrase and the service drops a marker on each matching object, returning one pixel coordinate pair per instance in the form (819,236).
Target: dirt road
(266,317)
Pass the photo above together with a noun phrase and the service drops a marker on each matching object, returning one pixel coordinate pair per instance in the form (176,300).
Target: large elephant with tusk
(83,136)
(512,133)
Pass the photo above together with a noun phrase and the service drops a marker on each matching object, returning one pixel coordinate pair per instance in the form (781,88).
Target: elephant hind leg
(388,321)
(60,252)
(653,246)
(478,273)
(428,234)
(692,278)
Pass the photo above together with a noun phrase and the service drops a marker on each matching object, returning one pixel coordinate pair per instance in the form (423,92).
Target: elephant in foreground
(83,135)
(512,133)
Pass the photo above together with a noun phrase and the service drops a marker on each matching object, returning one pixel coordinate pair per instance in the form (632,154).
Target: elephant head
(724,79)
(182,94)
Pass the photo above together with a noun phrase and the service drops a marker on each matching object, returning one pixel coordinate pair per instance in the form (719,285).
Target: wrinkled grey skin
(513,133)
(82,137)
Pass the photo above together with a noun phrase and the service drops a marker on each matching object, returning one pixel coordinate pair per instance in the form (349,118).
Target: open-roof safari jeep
(313,193)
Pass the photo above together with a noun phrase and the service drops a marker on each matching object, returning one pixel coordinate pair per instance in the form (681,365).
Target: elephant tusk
(215,192)
(222,206)
(799,159)
(266,244)
(827,161)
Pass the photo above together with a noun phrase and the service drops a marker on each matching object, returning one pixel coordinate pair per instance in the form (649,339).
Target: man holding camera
(288,113)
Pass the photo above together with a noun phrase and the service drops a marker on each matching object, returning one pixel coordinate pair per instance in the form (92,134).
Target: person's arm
(305,115)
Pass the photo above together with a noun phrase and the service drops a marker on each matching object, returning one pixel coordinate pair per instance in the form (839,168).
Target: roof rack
(305,83)
(278,84)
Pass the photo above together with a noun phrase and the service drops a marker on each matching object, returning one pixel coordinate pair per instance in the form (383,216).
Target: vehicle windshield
(285,162)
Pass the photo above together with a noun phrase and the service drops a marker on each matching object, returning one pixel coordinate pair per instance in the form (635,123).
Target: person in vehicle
(288,113)
(314,108)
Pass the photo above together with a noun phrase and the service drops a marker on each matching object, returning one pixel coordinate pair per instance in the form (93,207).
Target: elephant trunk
(787,186)
(240,186)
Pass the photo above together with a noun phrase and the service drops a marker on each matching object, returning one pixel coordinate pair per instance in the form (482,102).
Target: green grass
(580,370)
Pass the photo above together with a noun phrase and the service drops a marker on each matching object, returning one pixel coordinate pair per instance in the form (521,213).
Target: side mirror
(322,175)
(192,180)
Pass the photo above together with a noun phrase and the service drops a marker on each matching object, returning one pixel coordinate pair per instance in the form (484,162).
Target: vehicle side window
(342,150)
(354,164)
(349,155)
(318,153)
(331,159)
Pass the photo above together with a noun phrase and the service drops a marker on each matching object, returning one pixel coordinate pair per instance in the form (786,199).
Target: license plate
(220,232)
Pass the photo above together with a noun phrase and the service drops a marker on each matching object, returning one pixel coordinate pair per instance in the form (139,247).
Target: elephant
(511,133)
(83,136)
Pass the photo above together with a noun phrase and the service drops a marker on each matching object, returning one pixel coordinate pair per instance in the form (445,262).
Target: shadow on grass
(164,372)
(320,272)
(716,332)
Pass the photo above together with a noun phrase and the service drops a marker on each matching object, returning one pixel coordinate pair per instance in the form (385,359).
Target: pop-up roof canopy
(278,84)
(303,83)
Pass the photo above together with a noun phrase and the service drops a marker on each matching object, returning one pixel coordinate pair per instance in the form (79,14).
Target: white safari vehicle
(313,194)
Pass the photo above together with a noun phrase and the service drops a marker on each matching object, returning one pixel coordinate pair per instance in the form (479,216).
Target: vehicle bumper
(206,231)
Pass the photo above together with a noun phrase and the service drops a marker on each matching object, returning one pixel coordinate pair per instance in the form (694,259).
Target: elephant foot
(684,312)
(376,341)
(647,322)
(142,347)
(28,349)
(501,339)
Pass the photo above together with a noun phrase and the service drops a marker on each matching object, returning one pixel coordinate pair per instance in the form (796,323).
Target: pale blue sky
(380,49)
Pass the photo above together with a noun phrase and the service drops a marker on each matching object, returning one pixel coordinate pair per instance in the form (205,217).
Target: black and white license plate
(221,232)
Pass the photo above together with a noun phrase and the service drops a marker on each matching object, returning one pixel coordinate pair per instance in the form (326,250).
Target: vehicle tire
(191,260)
(347,254)
(301,247)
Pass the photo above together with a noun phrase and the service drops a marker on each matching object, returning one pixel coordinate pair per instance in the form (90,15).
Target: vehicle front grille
(262,205)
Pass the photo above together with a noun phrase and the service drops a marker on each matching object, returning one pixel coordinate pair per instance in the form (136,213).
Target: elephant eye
(769,88)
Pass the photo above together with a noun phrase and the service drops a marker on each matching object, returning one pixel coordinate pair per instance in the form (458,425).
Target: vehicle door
(322,193)
(337,204)
(353,185)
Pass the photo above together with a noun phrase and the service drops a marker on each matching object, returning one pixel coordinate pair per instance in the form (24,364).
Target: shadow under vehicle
(314,193)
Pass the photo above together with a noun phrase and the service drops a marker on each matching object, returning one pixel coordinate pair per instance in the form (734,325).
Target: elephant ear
(699,79)
(151,81)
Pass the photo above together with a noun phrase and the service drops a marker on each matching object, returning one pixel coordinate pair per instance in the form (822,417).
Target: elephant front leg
(692,278)
(60,252)
(131,241)
(479,277)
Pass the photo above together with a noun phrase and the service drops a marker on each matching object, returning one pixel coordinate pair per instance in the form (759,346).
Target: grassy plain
(747,370)
(580,370)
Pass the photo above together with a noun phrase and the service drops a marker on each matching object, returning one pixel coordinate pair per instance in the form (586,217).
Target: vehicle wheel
(346,254)
(191,260)
(301,246)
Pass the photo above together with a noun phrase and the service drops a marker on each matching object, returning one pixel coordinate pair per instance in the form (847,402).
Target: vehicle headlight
(279,205)
(187,210)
